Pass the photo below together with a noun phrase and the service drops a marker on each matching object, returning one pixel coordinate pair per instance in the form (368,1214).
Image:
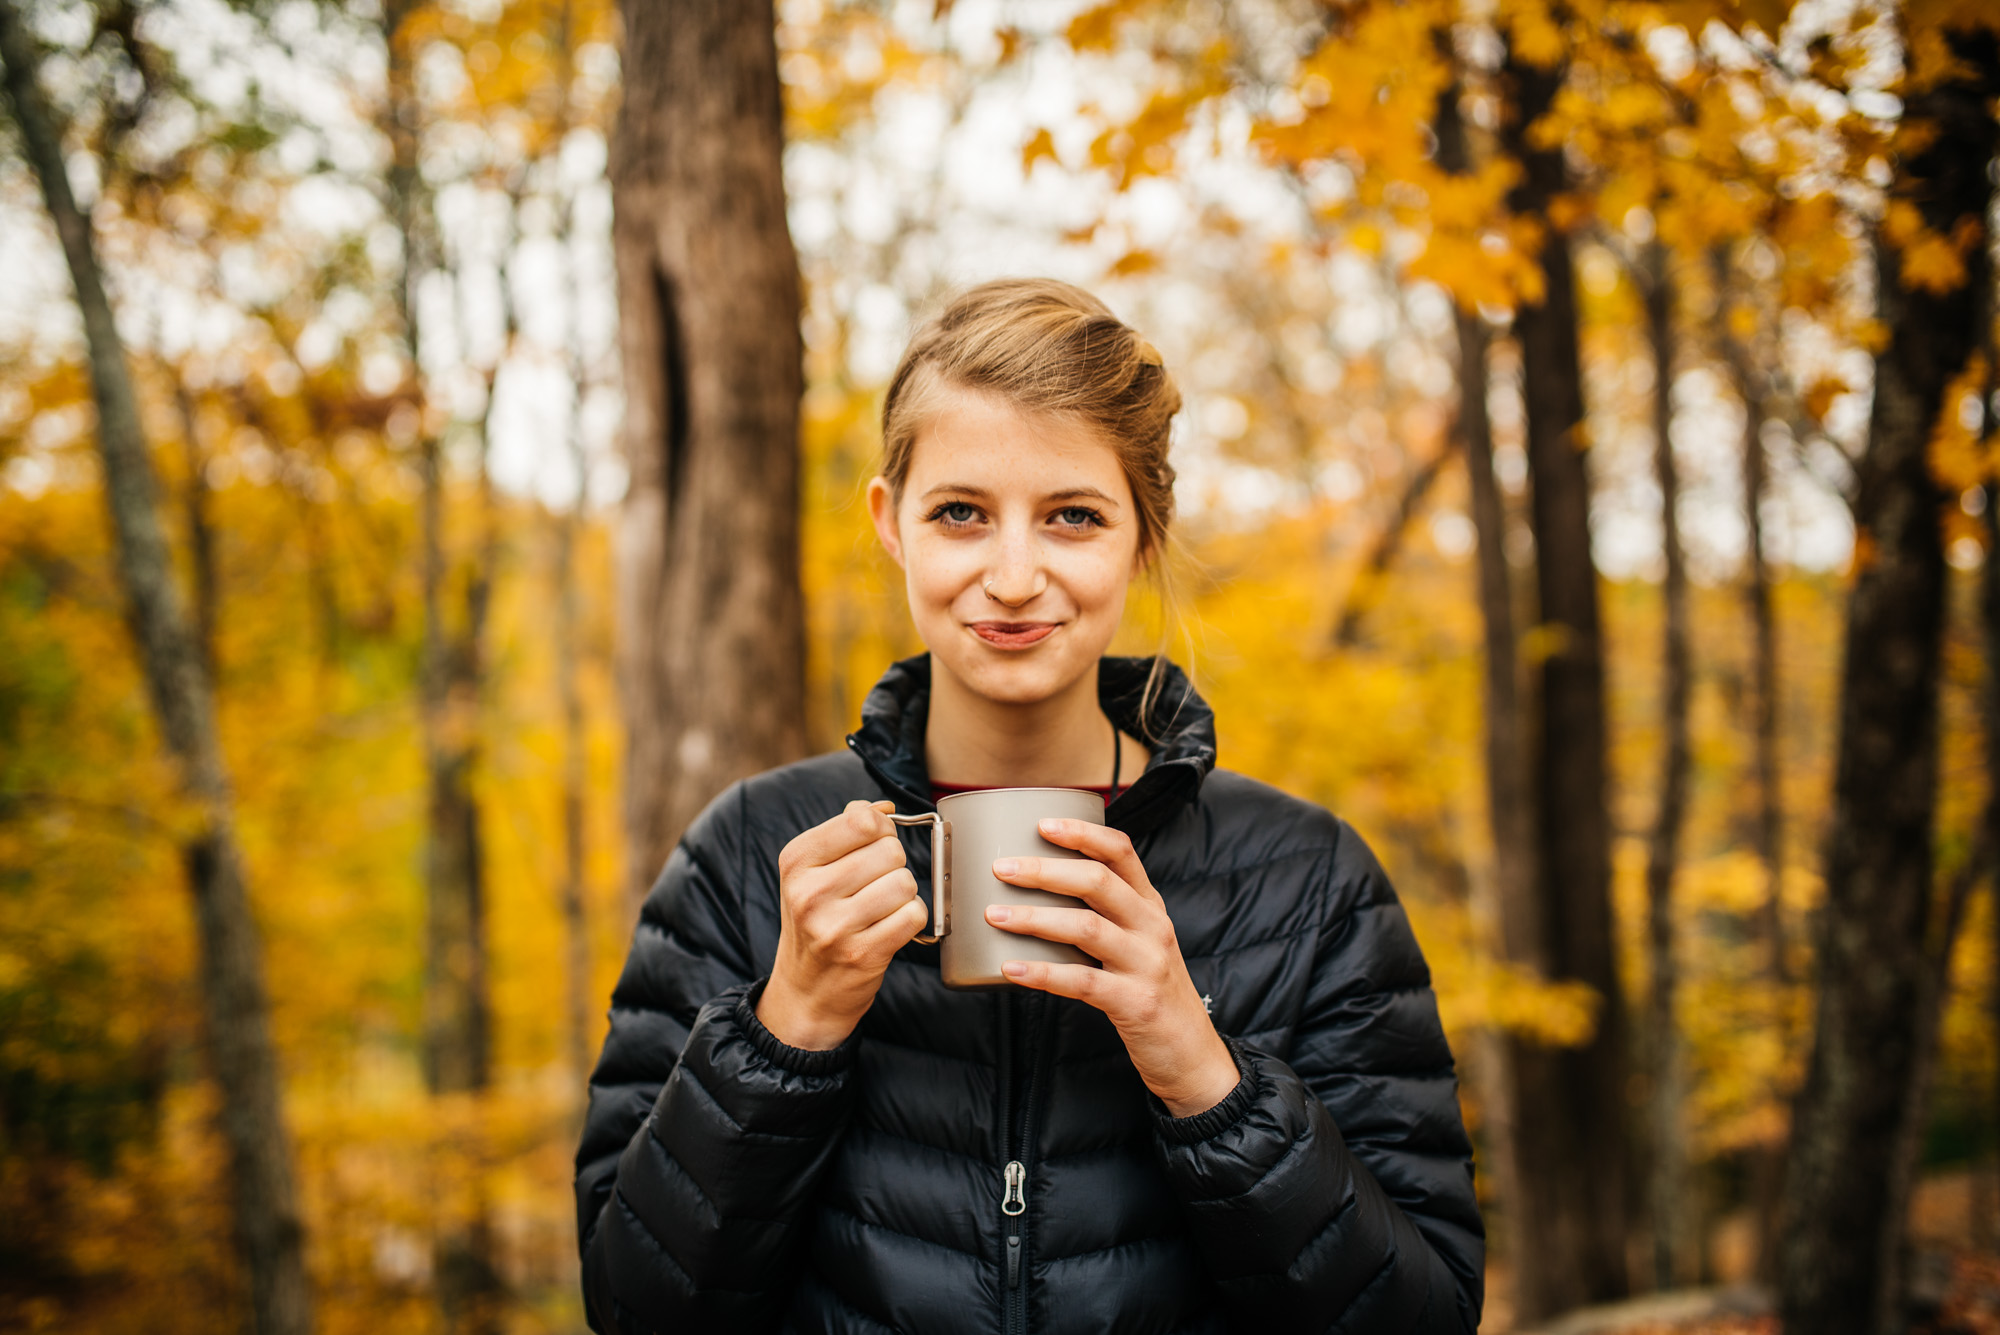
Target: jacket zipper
(1013,1173)
(1029,1026)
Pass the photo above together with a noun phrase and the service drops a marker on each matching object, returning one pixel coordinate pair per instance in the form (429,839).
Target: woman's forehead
(979,441)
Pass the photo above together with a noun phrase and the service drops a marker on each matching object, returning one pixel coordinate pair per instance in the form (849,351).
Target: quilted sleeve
(706,1135)
(1335,1192)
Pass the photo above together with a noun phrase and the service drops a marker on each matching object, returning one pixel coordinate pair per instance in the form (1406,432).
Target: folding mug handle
(940,874)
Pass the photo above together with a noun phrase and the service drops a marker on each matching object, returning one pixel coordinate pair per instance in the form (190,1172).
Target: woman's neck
(1061,742)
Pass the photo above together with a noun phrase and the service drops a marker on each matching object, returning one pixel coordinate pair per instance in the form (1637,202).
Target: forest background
(1587,479)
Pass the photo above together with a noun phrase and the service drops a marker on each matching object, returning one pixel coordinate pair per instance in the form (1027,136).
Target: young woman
(1245,1120)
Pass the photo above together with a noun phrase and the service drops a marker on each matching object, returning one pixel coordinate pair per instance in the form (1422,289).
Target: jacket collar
(1179,728)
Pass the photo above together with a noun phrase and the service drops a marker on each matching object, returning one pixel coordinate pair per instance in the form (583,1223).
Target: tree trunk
(569,619)
(201,533)
(1843,1211)
(569,649)
(1764,623)
(1934,980)
(1572,1102)
(576,937)
(711,620)
(1746,378)
(457,1013)
(1673,1240)
(1766,1162)
(1503,899)
(1987,1229)
(269,1233)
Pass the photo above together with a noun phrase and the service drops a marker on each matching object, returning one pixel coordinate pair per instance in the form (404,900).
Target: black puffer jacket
(729,1183)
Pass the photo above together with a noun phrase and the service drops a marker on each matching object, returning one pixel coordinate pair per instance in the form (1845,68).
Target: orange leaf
(1041,145)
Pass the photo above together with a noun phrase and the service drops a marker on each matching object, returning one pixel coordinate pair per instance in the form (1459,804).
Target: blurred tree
(1571,1102)
(1504,897)
(236,1006)
(1987,1230)
(1748,378)
(1740,335)
(1672,1224)
(1845,1207)
(711,623)
(456,598)
(570,528)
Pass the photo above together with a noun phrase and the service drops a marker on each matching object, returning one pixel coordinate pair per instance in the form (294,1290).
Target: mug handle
(940,874)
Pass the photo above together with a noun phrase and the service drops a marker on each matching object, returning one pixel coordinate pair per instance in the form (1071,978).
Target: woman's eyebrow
(957,489)
(1080,493)
(981,493)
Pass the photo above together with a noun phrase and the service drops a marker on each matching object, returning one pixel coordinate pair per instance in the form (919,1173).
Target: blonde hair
(1050,347)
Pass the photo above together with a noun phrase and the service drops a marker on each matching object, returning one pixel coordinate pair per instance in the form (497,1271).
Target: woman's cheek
(937,576)
(1096,580)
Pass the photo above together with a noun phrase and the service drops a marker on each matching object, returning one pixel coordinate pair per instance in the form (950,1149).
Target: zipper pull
(1015,1202)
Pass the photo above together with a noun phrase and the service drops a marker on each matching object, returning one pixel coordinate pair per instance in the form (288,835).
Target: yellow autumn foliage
(113,1172)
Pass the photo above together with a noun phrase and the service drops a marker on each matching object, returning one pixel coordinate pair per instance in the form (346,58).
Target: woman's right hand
(847,904)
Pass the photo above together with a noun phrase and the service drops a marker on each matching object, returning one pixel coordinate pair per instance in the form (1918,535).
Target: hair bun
(1148,354)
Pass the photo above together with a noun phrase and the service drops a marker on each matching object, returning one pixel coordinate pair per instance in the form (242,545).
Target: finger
(1101,843)
(871,946)
(848,875)
(829,917)
(1092,882)
(894,932)
(831,927)
(1089,932)
(859,824)
(1093,987)
(882,898)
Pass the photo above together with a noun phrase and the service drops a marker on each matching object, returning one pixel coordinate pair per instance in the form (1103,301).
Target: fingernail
(1006,866)
(1014,969)
(1052,823)
(998,913)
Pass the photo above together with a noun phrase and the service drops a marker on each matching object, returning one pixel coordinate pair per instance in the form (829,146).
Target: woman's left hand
(1143,988)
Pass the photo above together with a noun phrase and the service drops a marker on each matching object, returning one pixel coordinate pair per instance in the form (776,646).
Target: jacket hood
(1179,728)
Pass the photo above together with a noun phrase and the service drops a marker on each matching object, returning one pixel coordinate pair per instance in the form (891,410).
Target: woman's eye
(1079,516)
(954,514)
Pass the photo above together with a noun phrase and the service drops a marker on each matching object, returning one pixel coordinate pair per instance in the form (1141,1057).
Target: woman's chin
(1016,676)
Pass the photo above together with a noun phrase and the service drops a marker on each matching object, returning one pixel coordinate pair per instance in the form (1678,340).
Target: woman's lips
(1013,634)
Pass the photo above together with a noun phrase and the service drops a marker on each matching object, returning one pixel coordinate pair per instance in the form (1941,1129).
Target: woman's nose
(1016,578)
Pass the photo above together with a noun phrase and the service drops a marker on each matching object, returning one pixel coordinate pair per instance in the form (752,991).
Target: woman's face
(1017,537)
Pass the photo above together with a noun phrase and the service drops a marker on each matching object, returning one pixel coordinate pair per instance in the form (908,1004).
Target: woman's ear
(882,509)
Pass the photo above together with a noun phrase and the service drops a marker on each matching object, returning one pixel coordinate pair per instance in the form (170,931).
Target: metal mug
(969,831)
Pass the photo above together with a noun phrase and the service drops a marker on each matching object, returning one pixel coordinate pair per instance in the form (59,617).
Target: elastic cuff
(799,1061)
(1214,1121)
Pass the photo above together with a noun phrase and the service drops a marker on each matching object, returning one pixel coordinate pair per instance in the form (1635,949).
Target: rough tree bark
(711,620)
(1673,1241)
(457,1024)
(1571,1102)
(235,1005)
(1843,1219)
(1504,898)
